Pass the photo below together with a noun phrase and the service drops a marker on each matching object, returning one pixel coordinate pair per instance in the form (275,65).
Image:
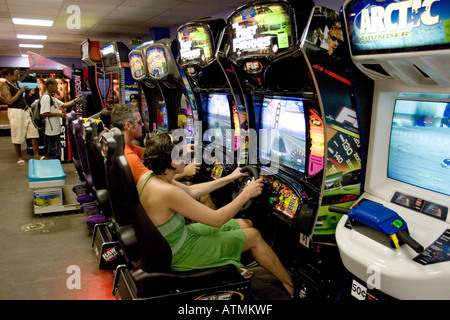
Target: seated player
(215,239)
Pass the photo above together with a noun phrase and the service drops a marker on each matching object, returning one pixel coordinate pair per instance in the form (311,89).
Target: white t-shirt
(52,124)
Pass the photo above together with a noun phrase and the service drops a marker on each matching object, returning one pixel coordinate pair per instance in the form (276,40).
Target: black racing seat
(96,165)
(147,273)
(71,117)
(88,161)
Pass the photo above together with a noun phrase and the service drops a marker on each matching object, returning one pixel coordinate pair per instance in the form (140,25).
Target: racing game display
(283,132)
(219,119)
(261,30)
(195,44)
(418,149)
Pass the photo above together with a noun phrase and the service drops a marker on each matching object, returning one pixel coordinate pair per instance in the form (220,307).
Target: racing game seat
(147,273)
(81,189)
(94,159)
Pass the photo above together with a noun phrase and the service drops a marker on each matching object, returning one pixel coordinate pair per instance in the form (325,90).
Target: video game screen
(157,62)
(218,116)
(108,50)
(195,44)
(264,29)
(419,152)
(283,132)
(162,123)
(137,66)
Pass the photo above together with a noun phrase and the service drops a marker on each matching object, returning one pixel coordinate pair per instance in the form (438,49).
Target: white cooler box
(47,179)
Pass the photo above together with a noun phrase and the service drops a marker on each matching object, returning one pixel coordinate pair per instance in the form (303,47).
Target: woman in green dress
(215,239)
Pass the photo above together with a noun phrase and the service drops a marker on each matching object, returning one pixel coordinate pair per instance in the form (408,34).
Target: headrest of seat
(109,143)
(71,116)
(90,127)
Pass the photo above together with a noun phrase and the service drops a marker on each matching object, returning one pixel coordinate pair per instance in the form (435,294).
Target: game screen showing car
(195,44)
(262,29)
(283,132)
(419,149)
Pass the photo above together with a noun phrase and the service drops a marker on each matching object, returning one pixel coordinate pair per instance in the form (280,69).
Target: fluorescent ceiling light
(32,36)
(23,45)
(33,22)
(25,55)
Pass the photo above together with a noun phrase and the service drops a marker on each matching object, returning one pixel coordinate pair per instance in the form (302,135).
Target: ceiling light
(33,22)
(32,36)
(23,45)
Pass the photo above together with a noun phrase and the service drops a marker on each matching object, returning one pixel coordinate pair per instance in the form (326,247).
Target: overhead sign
(38,62)
(377,26)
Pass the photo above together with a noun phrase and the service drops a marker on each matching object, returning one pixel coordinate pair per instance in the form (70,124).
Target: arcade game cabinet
(90,54)
(221,119)
(395,241)
(299,103)
(160,59)
(118,84)
(149,93)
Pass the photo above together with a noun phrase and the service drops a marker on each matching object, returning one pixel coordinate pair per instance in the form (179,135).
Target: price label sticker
(359,291)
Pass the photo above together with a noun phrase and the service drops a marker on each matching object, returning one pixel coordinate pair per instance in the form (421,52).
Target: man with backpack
(50,110)
(19,118)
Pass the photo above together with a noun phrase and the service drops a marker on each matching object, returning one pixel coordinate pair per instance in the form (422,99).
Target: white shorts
(21,125)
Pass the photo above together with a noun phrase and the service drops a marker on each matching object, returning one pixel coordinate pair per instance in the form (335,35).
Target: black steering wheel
(240,185)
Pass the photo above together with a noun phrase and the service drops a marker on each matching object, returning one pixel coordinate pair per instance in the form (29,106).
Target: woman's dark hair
(105,116)
(158,152)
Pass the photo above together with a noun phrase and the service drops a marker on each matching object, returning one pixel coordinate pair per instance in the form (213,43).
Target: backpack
(35,113)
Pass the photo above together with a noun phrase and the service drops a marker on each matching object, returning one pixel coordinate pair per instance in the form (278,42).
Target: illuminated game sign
(396,26)
(157,62)
(108,50)
(262,29)
(137,65)
(195,45)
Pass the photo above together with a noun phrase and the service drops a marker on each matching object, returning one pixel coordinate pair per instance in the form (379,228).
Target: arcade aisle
(38,252)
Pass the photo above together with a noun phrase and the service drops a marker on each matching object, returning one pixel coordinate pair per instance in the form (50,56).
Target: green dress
(198,246)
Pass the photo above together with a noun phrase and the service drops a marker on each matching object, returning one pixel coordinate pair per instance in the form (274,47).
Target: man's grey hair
(122,113)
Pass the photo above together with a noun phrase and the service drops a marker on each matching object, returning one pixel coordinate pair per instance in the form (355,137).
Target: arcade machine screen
(195,45)
(157,62)
(109,51)
(218,132)
(162,123)
(418,149)
(218,117)
(264,29)
(283,132)
(137,66)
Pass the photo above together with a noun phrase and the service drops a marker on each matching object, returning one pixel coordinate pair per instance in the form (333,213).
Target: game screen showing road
(419,149)
(283,132)
(219,118)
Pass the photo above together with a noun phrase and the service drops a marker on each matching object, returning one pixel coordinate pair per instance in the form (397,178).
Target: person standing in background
(22,127)
(50,109)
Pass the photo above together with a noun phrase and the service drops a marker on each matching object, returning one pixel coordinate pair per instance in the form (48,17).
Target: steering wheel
(239,186)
